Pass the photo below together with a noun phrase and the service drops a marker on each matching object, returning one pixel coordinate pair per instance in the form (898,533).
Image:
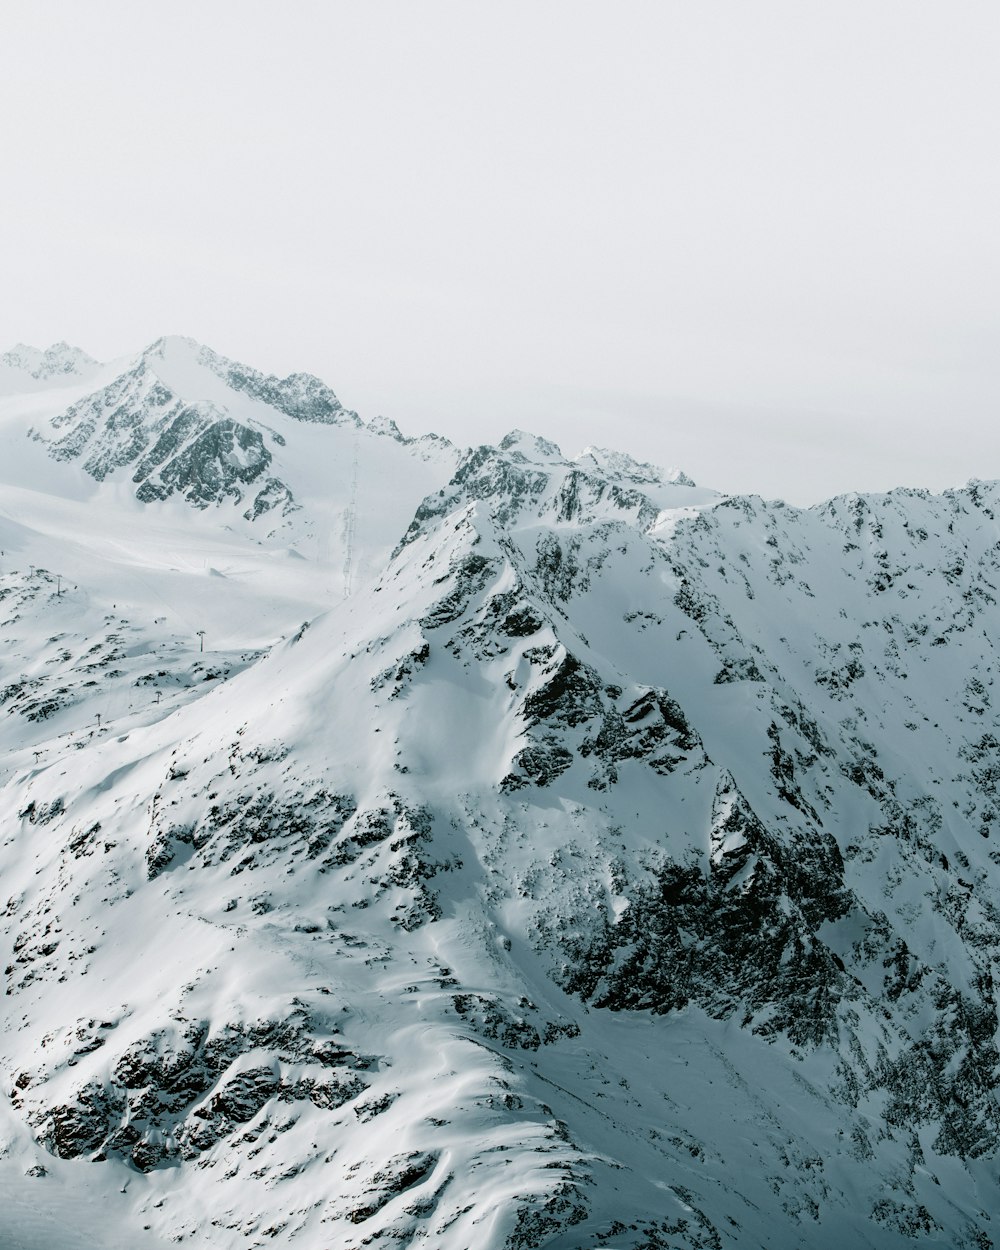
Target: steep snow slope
(612,868)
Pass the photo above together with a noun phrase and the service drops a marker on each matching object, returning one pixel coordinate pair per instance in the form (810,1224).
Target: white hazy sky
(756,240)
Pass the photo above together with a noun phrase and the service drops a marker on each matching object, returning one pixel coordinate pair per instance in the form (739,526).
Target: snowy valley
(404,845)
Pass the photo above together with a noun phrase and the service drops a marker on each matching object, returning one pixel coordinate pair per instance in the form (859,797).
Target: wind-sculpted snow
(613,868)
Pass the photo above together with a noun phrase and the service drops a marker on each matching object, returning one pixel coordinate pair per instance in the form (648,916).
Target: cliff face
(614,867)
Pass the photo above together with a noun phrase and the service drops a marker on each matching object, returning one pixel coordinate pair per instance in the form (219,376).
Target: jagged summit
(182,363)
(181,419)
(525,446)
(624,467)
(180,435)
(59,358)
(59,364)
(386,426)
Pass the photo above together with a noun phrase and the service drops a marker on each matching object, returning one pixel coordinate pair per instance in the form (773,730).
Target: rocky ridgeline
(57,363)
(611,815)
(831,626)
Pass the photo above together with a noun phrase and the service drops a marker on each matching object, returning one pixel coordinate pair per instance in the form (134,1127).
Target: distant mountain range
(412,846)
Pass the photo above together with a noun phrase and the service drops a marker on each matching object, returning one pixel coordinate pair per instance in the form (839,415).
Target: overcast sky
(755,240)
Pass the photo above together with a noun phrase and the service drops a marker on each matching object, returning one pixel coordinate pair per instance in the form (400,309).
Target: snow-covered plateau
(410,846)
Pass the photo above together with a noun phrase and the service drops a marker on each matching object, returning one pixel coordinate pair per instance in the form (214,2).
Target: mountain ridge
(612,867)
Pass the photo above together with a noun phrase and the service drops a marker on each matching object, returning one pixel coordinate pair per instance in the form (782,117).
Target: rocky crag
(614,867)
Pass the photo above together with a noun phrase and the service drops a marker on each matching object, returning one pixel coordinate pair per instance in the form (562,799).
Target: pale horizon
(756,242)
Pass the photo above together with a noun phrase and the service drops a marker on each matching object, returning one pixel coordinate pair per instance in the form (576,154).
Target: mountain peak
(620,465)
(179,418)
(182,363)
(525,445)
(173,346)
(60,360)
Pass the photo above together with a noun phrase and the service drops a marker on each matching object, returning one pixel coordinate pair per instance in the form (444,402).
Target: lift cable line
(350,524)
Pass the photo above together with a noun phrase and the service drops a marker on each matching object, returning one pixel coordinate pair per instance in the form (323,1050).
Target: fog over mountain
(418,846)
(757,240)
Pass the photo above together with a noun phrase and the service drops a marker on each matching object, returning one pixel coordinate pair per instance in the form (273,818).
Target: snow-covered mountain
(540,853)
(25,368)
